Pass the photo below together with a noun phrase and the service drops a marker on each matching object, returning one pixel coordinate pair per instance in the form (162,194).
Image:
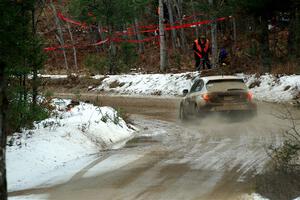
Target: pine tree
(9,34)
(20,54)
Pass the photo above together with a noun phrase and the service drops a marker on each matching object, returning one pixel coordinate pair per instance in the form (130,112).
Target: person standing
(223,56)
(201,49)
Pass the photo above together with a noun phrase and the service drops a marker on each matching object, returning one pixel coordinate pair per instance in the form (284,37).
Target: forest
(121,36)
(111,37)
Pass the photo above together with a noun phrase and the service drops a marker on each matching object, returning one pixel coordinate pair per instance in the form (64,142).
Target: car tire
(182,113)
(253,114)
(198,112)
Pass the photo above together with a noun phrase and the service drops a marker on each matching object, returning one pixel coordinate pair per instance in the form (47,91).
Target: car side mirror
(185,92)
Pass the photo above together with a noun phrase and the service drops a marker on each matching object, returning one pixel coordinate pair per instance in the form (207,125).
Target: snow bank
(265,88)
(147,84)
(65,141)
(255,196)
(272,89)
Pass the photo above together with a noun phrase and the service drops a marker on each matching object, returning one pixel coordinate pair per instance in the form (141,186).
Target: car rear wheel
(182,113)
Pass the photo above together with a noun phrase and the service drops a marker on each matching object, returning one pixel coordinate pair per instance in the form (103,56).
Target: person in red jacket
(201,50)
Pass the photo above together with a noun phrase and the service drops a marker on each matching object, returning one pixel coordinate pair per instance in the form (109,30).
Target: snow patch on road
(30,197)
(52,151)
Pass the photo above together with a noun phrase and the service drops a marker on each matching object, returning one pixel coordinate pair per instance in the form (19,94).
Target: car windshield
(225,85)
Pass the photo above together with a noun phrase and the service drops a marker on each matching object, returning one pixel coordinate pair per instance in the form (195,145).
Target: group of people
(201,49)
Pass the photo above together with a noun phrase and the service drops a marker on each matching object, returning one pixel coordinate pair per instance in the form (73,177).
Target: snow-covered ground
(147,84)
(274,89)
(30,197)
(57,147)
(252,196)
(255,196)
(265,88)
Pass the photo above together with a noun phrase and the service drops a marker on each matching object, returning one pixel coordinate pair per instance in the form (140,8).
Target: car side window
(195,85)
(199,86)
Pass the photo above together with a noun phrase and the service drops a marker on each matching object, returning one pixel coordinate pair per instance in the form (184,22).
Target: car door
(194,92)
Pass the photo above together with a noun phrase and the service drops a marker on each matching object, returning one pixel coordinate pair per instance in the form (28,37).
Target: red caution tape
(130,31)
(60,16)
(195,24)
(47,49)
(118,40)
(50,49)
(100,42)
(135,41)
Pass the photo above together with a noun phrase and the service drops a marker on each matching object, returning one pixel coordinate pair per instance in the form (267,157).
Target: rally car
(211,94)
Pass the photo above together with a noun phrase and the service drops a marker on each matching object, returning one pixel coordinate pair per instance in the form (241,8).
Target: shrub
(96,64)
(104,118)
(129,55)
(116,119)
(22,115)
(124,115)
(287,156)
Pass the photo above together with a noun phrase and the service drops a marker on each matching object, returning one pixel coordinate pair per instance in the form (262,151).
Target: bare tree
(171,18)
(214,44)
(163,47)
(73,44)
(101,34)
(195,19)
(36,13)
(59,36)
(138,35)
(234,33)
(178,6)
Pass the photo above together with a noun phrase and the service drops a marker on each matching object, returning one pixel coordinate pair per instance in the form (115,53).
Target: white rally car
(210,94)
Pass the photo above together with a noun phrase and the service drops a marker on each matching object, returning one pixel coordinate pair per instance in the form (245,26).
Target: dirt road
(209,159)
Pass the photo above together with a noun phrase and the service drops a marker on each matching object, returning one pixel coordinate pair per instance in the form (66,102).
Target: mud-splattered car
(224,94)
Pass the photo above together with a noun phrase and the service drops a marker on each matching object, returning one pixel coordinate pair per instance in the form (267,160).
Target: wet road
(214,158)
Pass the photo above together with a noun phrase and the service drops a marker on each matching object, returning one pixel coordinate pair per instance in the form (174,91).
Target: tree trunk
(3,104)
(34,88)
(292,35)
(101,34)
(234,34)
(297,37)
(264,45)
(173,31)
(178,6)
(297,29)
(138,35)
(60,33)
(34,67)
(214,44)
(73,44)
(163,47)
(195,19)
(112,52)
